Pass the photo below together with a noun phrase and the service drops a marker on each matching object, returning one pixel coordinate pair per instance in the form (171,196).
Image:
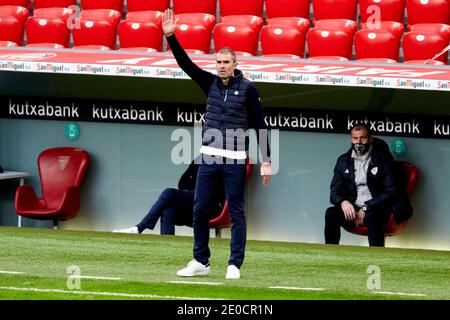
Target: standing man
(233,105)
(362,189)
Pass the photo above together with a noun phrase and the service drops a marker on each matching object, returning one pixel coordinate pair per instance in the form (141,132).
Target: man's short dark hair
(360,126)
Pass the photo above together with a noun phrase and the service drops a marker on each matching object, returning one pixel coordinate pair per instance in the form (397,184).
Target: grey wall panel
(131,165)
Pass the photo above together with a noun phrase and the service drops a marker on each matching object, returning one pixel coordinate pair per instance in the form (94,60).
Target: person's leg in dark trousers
(168,221)
(234,176)
(169,198)
(334,220)
(375,220)
(209,175)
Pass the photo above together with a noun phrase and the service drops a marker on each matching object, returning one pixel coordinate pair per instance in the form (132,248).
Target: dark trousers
(174,207)
(232,176)
(374,221)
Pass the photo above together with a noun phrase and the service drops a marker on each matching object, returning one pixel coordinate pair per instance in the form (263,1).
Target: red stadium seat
(140,34)
(287,8)
(22,3)
(11,29)
(54,3)
(432,28)
(108,15)
(301,24)
(47,30)
(383,60)
(102,4)
(195,6)
(154,17)
(46,45)
(382,10)
(142,5)
(92,32)
(328,42)
(194,37)
(223,220)
(62,171)
(253,22)
(396,28)
(59,13)
(376,44)
(238,37)
(348,26)
(18,12)
(282,40)
(392,228)
(427,11)
(334,9)
(7,44)
(237,7)
(423,46)
(204,19)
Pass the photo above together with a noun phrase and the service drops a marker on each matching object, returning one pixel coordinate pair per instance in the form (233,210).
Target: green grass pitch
(34,265)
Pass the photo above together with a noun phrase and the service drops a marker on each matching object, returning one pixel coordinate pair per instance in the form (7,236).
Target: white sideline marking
(11,272)
(198,282)
(401,293)
(296,288)
(94,277)
(113,294)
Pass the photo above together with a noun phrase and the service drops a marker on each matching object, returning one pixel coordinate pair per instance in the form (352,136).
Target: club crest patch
(374,170)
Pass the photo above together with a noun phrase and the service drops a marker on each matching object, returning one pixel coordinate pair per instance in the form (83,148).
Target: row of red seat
(418,11)
(286,37)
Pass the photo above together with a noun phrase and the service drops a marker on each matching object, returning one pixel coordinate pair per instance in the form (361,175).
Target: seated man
(175,206)
(363,188)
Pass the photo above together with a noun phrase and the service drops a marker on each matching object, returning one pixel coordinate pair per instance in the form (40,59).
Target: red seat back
(203,19)
(430,11)
(59,13)
(237,37)
(54,3)
(59,169)
(22,3)
(376,44)
(145,16)
(195,6)
(301,24)
(109,15)
(194,37)
(92,32)
(348,26)
(389,10)
(140,34)
(282,39)
(396,28)
(102,4)
(287,8)
(43,30)
(154,5)
(334,9)
(328,42)
(254,22)
(235,7)
(11,29)
(18,12)
(422,46)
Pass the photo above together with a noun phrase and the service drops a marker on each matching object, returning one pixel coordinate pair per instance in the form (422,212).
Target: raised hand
(168,23)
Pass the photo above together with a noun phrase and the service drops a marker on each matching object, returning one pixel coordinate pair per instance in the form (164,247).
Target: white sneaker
(194,268)
(233,272)
(133,230)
